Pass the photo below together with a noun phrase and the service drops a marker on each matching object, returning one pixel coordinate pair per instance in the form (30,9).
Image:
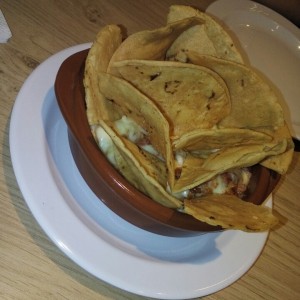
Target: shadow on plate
(199,248)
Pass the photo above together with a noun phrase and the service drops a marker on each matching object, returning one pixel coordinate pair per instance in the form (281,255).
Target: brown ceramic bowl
(105,181)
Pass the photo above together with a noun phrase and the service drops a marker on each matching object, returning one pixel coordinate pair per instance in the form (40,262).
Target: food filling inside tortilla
(233,182)
(128,128)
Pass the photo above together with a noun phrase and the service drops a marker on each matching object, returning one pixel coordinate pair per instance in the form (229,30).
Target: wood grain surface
(31,266)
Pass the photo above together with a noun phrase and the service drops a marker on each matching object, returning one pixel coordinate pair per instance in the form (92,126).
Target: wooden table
(31,266)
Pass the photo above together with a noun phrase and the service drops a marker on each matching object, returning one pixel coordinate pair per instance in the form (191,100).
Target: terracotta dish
(111,188)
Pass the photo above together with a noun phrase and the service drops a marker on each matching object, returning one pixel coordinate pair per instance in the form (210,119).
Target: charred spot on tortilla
(152,77)
(171,86)
(212,95)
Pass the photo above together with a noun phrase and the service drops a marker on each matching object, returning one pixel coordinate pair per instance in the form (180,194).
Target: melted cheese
(218,185)
(129,128)
(180,156)
(134,132)
(105,143)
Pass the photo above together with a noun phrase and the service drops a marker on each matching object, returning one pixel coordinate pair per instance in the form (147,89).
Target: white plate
(93,236)
(272,45)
